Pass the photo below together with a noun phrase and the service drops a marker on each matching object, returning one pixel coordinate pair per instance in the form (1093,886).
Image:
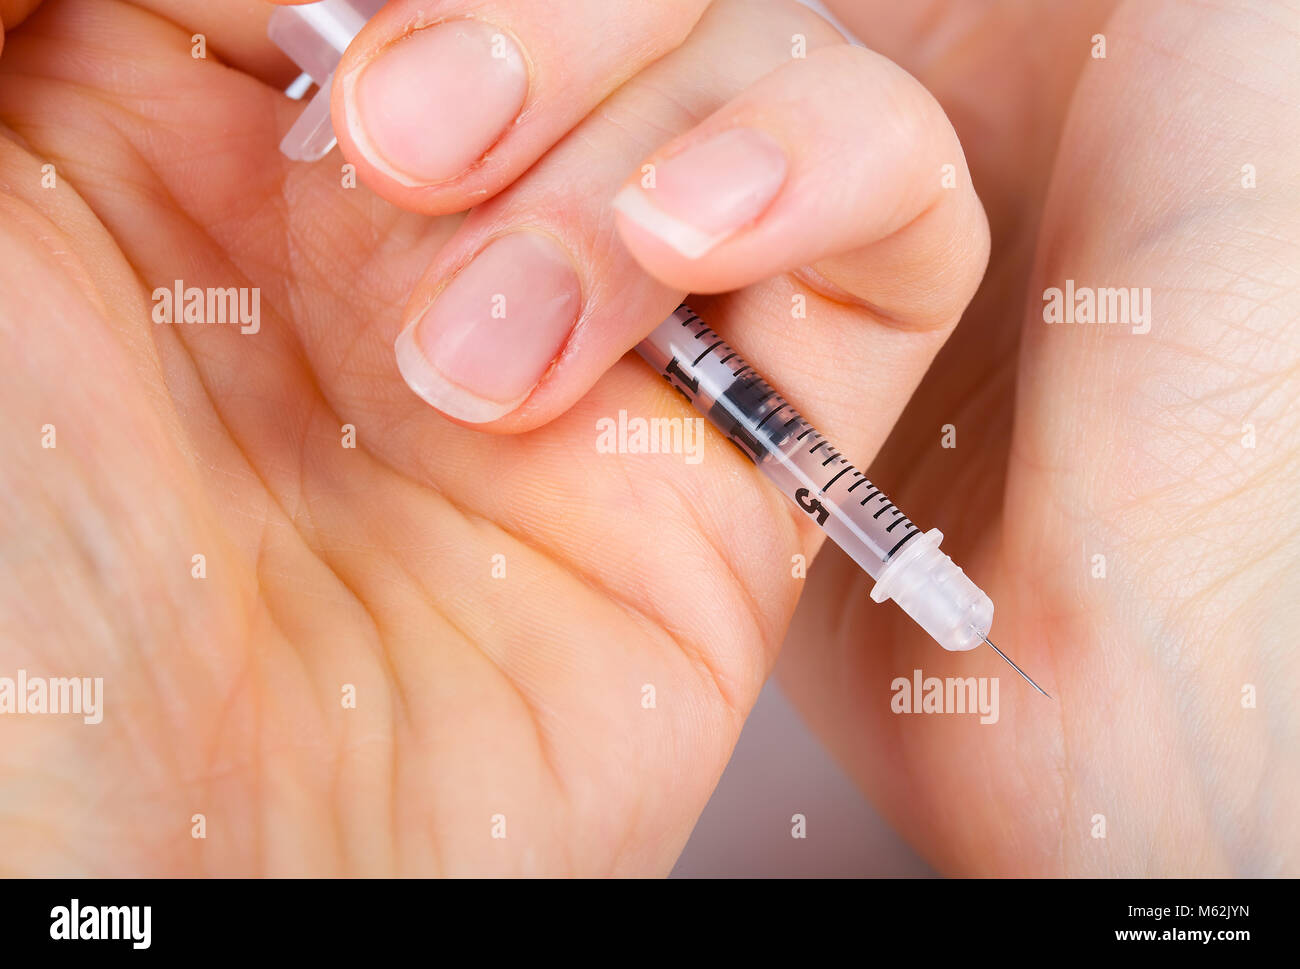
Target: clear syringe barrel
(906,564)
(860,518)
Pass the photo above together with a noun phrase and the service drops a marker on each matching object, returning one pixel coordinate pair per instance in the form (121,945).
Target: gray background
(779,769)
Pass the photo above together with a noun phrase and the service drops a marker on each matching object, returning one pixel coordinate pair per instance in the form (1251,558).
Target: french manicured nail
(480,348)
(709,191)
(431,104)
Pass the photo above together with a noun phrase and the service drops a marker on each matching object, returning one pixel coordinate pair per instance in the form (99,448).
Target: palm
(327,567)
(1124,446)
(378,568)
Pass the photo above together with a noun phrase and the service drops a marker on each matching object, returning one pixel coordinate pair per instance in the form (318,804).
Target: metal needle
(1018,669)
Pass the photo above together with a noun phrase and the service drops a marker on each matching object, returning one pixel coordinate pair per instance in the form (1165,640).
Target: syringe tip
(1018,669)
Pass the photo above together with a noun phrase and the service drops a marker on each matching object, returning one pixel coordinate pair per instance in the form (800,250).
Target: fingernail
(431,104)
(708,192)
(480,348)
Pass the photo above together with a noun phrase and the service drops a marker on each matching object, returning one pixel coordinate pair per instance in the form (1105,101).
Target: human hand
(1132,446)
(497,602)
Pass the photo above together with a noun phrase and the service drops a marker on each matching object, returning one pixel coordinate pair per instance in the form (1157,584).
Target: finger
(531,302)
(12,13)
(534,298)
(441,105)
(233,32)
(841,162)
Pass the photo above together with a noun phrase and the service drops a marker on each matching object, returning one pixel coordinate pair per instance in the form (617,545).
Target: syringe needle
(1018,669)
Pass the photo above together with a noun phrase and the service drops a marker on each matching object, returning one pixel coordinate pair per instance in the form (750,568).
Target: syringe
(905,562)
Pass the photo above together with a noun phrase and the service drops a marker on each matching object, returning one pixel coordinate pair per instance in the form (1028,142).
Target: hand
(1079,441)
(202,536)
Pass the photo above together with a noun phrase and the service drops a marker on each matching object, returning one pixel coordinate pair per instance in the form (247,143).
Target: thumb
(12,13)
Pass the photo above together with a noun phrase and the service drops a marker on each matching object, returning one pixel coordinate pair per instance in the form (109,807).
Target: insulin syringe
(905,562)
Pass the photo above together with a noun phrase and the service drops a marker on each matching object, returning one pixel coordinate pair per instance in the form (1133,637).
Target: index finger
(443,104)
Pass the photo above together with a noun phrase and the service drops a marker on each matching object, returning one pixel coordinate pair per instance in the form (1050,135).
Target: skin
(1074,442)
(521,696)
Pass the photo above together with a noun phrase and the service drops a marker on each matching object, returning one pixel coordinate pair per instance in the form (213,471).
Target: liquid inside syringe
(860,518)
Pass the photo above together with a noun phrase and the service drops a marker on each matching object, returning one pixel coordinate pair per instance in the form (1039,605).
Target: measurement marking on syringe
(705,353)
(838,473)
(858,483)
(890,554)
(772,413)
